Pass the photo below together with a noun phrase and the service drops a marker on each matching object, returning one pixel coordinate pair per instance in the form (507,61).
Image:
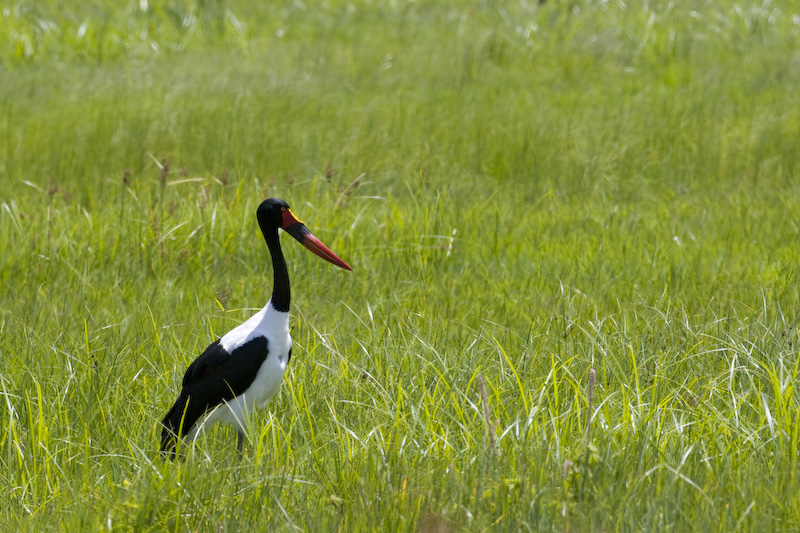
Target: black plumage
(215,377)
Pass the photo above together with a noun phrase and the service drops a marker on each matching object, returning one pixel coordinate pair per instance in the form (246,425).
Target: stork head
(275,213)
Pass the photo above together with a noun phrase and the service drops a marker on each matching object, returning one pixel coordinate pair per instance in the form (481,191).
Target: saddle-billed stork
(244,368)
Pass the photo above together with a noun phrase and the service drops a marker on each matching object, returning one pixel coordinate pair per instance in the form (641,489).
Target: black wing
(216,376)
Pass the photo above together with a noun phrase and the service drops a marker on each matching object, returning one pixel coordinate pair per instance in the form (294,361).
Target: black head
(274,213)
(270,213)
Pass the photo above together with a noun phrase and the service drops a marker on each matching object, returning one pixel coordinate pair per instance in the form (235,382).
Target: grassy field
(528,195)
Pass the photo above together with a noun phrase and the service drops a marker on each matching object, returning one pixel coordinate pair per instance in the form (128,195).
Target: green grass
(525,193)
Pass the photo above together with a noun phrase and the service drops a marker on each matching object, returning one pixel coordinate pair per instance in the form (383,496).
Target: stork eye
(283,209)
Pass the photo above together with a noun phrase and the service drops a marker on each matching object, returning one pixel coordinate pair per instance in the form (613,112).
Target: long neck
(281,293)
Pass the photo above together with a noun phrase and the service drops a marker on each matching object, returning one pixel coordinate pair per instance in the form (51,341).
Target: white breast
(269,323)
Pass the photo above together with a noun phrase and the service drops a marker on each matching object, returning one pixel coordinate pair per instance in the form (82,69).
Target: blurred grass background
(525,192)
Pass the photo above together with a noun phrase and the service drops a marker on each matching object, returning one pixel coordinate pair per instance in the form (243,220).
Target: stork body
(243,370)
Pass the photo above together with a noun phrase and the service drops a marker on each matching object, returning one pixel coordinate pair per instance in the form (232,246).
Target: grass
(525,193)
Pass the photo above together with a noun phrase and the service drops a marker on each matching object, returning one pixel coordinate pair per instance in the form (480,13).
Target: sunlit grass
(526,193)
